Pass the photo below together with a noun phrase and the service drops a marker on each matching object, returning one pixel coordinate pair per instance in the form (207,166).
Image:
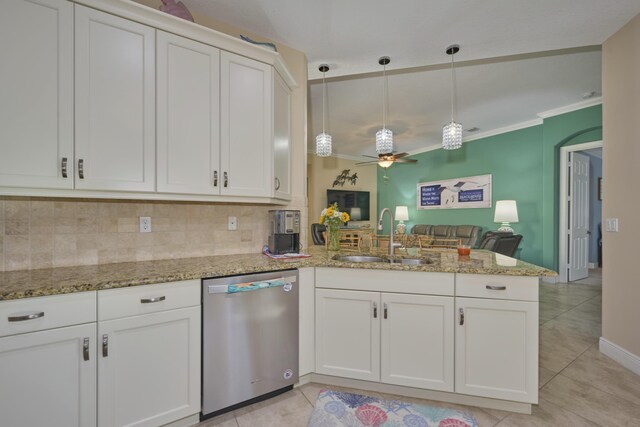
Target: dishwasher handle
(252,286)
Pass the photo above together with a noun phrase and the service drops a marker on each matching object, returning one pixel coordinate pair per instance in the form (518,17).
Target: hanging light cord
(384,96)
(452,86)
(324,100)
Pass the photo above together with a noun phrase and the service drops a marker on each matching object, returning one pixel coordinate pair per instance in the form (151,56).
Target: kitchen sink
(359,258)
(411,261)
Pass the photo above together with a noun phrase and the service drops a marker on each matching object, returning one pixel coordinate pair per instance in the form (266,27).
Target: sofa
(468,234)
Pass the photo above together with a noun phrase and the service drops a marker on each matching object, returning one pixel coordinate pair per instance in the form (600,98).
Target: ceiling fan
(386,160)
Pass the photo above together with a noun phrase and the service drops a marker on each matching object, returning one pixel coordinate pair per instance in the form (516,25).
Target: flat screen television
(356,203)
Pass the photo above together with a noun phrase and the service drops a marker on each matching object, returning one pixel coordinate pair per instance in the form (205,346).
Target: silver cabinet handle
(23,317)
(85,349)
(277,184)
(385,310)
(215,178)
(461,311)
(105,345)
(226,180)
(496,288)
(151,300)
(81,169)
(63,167)
(375,310)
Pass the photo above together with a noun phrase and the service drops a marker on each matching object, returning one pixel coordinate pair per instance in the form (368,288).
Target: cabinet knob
(375,310)
(152,300)
(226,180)
(461,312)
(385,310)
(28,316)
(63,167)
(81,168)
(496,287)
(215,178)
(277,184)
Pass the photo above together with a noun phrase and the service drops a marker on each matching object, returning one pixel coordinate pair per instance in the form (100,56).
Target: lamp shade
(402,213)
(355,214)
(506,211)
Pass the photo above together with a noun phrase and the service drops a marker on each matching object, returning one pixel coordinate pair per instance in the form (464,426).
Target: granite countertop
(63,280)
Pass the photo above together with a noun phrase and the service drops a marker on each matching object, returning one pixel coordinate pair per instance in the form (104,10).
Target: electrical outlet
(233,223)
(145,224)
(611,224)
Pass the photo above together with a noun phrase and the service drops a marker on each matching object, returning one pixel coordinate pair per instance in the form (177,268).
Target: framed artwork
(457,193)
(600,188)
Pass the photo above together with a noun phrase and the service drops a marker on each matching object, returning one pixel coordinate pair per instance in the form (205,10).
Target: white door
(281,139)
(188,124)
(578,201)
(149,368)
(47,378)
(348,334)
(36,93)
(115,103)
(417,341)
(246,126)
(497,349)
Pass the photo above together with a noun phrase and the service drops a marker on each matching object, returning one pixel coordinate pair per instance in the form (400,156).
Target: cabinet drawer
(497,287)
(37,314)
(124,302)
(362,279)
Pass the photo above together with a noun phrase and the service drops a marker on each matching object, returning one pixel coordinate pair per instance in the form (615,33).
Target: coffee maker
(284,234)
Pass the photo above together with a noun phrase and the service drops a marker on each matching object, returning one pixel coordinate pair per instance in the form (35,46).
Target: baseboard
(442,396)
(550,279)
(620,355)
(185,422)
(592,265)
(305,379)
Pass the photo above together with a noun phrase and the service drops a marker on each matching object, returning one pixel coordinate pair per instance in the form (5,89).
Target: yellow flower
(329,212)
(345,217)
(322,219)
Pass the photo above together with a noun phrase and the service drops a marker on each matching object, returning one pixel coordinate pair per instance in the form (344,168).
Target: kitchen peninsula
(457,329)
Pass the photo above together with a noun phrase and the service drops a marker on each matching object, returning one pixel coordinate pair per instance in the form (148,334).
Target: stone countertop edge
(63,280)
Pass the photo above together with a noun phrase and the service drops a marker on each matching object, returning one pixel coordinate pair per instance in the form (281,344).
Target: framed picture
(600,188)
(457,193)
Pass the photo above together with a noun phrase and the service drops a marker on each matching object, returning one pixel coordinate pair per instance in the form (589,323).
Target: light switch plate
(145,224)
(611,224)
(233,223)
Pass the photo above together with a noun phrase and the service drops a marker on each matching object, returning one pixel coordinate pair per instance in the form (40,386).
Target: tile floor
(578,385)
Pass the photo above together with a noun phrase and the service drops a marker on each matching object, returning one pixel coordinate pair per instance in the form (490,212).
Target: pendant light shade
(323,140)
(384,137)
(452,132)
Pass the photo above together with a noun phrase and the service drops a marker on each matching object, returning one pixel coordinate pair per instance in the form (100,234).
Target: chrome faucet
(391,244)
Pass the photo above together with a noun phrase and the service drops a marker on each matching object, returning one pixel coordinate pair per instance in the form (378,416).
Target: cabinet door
(150,372)
(36,93)
(306,313)
(246,123)
(46,379)
(281,139)
(115,103)
(348,334)
(417,341)
(188,125)
(497,349)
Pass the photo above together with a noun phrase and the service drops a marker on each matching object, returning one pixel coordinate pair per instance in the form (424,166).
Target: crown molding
(343,156)
(571,107)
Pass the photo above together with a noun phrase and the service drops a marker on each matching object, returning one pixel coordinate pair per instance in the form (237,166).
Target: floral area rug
(338,409)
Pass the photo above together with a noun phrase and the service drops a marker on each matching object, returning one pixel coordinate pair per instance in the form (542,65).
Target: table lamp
(506,213)
(355,214)
(402,214)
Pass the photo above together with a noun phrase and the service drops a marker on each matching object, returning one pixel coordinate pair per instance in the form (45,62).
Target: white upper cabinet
(246,126)
(188,126)
(36,93)
(281,139)
(114,103)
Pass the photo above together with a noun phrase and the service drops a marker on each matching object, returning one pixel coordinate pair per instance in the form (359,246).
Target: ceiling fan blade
(371,157)
(406,161)
(367,163)
(401,155)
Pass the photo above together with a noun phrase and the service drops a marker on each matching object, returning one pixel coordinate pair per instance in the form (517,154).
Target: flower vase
(333,237)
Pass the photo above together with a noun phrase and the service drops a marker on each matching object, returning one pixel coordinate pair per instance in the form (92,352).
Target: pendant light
(384,137)
(323,140)
(452,132)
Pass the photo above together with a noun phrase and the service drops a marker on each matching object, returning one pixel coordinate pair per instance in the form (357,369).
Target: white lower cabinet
(306,300)
(149,364)
(497,349)
(48,361)
(417,341)
(398,339)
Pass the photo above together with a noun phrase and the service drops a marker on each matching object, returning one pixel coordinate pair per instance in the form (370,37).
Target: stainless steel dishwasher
(249,339)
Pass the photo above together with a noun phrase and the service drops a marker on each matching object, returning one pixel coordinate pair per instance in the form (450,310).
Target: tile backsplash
(42,233)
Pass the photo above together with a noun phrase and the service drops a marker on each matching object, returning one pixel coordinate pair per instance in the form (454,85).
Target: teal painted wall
(524,165)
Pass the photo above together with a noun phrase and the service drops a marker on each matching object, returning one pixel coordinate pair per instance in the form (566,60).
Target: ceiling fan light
(452,136)
(323,145)
(384,141)
(385,163)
